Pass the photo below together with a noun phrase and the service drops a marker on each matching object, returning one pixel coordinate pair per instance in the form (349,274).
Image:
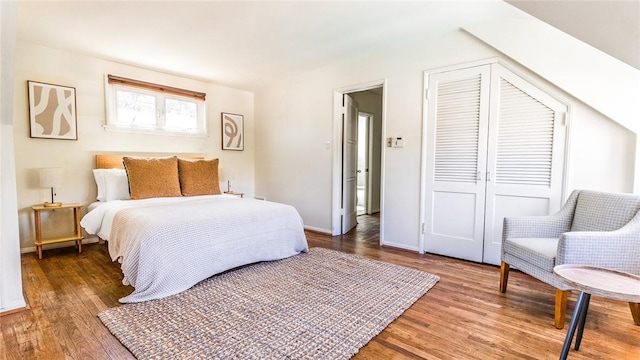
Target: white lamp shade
(227,173)
(50,177)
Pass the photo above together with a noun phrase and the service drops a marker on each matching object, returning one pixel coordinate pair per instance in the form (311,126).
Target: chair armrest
(617,250)
(550,226)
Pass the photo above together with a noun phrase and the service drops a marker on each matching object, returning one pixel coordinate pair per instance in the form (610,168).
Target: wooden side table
(77,236)
(239,194)
(590,280)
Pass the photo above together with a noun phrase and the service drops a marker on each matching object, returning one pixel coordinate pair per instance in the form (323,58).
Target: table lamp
(51,178)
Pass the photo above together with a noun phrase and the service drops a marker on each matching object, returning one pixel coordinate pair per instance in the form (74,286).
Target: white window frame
(160,127)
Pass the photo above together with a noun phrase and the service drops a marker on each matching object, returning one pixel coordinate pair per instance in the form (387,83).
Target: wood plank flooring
(463,317)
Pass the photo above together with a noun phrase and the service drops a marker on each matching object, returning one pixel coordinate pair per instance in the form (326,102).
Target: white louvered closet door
(457,125)
(526,155)
(495,148)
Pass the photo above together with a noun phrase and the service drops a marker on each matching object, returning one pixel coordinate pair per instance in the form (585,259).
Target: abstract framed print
(52,111)
(232,132)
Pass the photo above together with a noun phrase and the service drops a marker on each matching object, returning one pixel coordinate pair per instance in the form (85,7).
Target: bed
(167,244)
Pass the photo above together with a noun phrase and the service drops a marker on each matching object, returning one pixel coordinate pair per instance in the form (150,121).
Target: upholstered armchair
(592,228)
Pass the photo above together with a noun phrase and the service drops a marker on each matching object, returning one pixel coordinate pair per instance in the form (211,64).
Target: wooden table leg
(76,221)
(574,324)
(38,226)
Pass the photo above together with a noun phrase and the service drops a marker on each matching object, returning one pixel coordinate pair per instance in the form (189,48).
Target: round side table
(591,280)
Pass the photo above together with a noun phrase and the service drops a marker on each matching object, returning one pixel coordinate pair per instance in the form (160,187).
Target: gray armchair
(592,228)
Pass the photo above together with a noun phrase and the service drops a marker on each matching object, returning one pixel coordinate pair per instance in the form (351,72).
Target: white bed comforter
(167,245)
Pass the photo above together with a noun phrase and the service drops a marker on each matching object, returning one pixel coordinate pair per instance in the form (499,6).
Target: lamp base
(54,204)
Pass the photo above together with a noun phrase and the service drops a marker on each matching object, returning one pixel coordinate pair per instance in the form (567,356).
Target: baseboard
(30,249)
(318,230)
(401,246)
(14,309)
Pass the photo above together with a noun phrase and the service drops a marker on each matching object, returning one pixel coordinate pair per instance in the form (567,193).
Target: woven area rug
(323,304)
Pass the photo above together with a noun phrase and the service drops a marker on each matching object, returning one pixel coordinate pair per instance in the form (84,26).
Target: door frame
(425,102)
(336,169)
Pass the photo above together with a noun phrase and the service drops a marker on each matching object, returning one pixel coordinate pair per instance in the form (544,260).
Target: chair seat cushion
(540,252)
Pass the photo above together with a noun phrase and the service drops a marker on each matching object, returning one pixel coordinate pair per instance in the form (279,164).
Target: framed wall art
(52,111)
(232,132)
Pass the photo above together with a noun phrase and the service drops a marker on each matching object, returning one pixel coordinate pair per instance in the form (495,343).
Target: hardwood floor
(463,317)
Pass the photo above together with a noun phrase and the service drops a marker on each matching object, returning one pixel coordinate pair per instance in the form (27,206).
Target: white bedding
(167,245)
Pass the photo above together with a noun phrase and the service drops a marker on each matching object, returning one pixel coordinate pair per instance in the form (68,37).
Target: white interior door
(349,163)
(457,125)
(525,159)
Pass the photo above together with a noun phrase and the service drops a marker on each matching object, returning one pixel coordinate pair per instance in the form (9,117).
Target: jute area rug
(323,304)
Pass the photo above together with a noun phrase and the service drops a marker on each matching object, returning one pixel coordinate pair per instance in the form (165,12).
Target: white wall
(86,74)
(10,269)
(294,119)
(600,147)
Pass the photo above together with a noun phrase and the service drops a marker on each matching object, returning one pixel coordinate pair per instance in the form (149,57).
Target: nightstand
(239,194)
(77,236)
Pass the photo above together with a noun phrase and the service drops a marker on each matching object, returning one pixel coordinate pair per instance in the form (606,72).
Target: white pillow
(116,185)
(98,174)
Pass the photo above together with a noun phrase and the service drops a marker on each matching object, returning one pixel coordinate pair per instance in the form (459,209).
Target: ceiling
(238,43)
(609,25)
(243,44)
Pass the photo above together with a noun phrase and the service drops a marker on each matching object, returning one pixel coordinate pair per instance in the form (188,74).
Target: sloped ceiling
(610,26)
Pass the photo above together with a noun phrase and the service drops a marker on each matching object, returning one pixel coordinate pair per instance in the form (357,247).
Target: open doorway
(363,186)
(370,145)
(367,187)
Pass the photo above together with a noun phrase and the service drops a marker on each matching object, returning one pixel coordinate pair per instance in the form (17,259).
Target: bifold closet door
(525,159)
(495,148)
(457,125)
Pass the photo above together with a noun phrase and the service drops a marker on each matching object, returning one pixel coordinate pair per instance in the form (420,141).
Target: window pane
(180,114)
(135,109)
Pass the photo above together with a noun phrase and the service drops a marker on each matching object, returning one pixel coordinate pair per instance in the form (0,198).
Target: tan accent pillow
(199,177)
(152,177)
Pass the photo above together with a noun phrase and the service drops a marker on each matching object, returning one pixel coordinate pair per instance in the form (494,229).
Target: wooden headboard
(115,161)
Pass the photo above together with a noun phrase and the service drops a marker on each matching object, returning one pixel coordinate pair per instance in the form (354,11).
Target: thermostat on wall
(395,142)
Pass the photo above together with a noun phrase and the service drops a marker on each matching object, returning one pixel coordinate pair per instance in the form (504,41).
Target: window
(137,106)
